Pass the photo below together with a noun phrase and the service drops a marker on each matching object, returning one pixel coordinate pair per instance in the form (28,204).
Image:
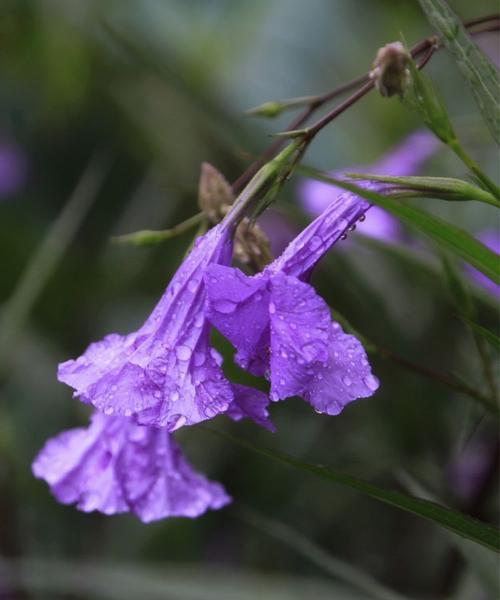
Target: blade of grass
(481,76)
(447,235)
(462,525)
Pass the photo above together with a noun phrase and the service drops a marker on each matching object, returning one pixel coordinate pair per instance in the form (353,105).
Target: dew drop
(371,382)
(346,380)
(315,242)
(127,412)
(183,352)
(192,285)
(109,410)
(362,218)
(174,396)
(225,306)
(272,308)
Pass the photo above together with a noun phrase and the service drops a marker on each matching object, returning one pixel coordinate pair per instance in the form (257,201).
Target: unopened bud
(267,109)
(215,195)
(251,246)
(390,70)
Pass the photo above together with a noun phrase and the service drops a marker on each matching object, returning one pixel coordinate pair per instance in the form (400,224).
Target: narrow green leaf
(462,525)
(151,237)
(481,75)
(446,188)
(447,235)
(489,336)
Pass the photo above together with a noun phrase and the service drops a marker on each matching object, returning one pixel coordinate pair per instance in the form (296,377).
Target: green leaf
(488,335)
(447,235)
(421,97)
(460,524)
(481,75)
(445,188)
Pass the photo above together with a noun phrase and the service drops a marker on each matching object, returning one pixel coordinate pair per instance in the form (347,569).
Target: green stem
(474,168)
(147,237)
(264,175)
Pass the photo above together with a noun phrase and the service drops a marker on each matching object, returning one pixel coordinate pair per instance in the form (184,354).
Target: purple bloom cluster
(147,384)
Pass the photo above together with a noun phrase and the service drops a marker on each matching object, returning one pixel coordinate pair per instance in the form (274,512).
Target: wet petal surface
(115,466)
(165,372)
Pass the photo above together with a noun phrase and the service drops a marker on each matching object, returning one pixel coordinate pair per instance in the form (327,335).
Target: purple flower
(405,159)
(282,329)
(115,466)
(166,373)
(12,169)
(491,239)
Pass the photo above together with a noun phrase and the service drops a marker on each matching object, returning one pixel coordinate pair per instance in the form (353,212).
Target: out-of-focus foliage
(150,90)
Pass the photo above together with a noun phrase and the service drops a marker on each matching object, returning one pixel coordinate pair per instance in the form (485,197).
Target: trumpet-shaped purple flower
(166,373)
(115,466)
(405,159)
(282,329)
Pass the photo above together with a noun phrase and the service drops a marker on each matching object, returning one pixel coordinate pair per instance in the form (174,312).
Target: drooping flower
(166,373)
(405,159)
(282,329)
(491,239)
(115,466)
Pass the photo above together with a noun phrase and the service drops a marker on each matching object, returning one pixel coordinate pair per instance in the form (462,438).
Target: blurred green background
(144,92)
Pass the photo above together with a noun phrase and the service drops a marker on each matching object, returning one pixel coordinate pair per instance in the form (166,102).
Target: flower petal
(344,377)
(302,254)
(164,372)
(115,466)
(236,305)
(311,356)
(300,324)
(250,403)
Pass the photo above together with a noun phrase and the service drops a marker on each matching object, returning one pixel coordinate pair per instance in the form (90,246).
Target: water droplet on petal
(193,285)
(109,410)
(346,380)
(183,352)
(225,306)
(371,382)
(272,308)
(315,242)
(199,320)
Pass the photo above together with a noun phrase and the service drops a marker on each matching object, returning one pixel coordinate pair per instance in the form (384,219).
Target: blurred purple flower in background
(292,339)
(404,159)
(115,466)
(491,239)
(13,169)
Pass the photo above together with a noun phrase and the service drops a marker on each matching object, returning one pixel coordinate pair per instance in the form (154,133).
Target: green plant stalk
(149,237)
(444,188)
(474,168)
(249,195)
(460,524)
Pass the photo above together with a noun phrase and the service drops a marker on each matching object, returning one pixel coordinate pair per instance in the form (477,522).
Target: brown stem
(429,44)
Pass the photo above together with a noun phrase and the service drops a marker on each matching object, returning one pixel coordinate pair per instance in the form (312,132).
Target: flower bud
(215,195)
(390,70)
(251,246)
